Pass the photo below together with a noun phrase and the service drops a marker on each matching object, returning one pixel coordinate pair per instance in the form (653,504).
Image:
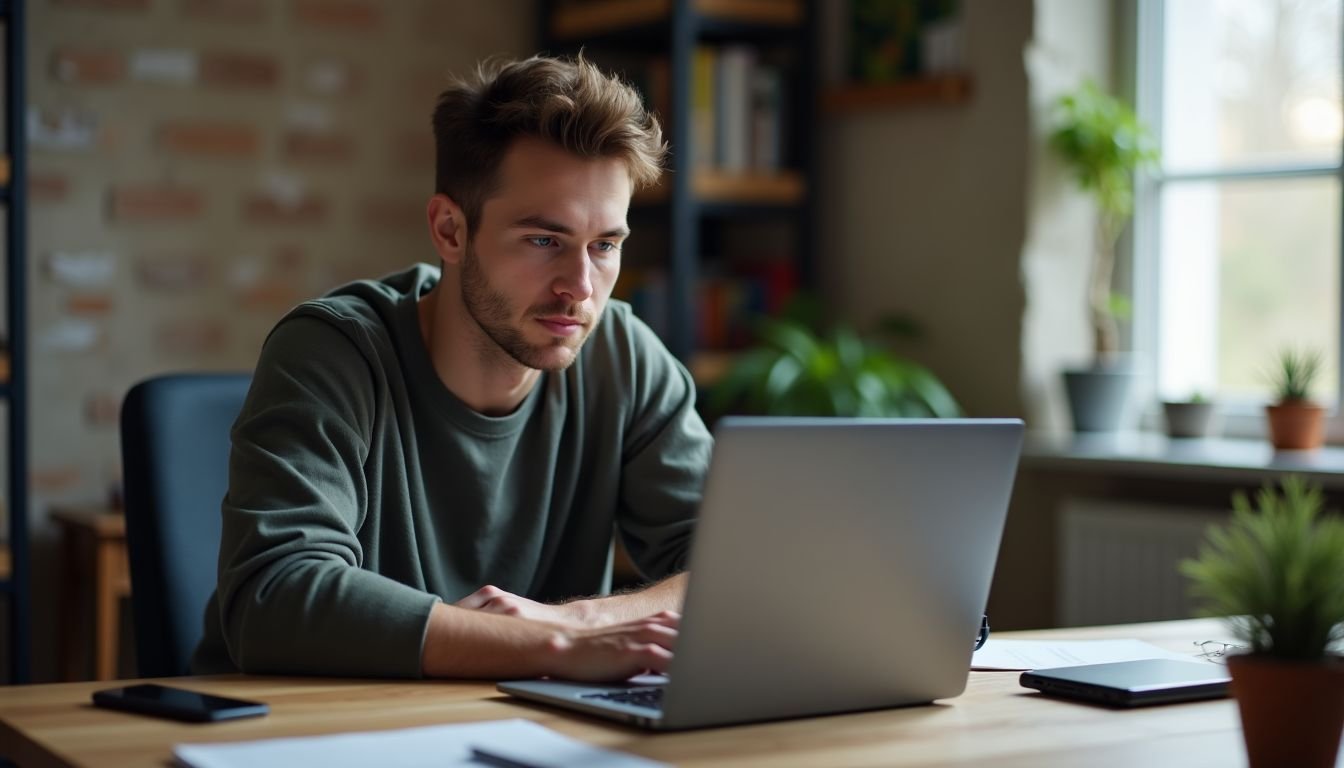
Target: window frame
(1240,418)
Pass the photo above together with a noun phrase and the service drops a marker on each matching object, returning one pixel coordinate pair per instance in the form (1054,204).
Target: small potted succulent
(1276,572)
(1192,417)
(1296,423)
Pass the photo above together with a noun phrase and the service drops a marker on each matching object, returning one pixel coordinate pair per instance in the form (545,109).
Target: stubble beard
(493,314)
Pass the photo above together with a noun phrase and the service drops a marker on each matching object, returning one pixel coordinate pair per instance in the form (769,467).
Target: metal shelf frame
(15,392)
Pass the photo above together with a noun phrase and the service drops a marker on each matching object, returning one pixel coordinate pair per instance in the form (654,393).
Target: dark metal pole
(16,252)
(684,219)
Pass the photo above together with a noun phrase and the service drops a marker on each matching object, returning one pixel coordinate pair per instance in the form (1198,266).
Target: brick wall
(197,168)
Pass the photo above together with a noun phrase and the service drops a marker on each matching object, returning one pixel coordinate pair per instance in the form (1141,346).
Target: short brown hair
(568,101)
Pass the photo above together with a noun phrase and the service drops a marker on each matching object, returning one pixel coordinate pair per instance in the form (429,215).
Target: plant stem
(1105,330)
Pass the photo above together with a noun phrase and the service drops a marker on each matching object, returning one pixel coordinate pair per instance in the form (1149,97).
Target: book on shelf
(737,106)
(703,98)
(767,120)
(737,111)
(645,289)
(729,304)
(733,106)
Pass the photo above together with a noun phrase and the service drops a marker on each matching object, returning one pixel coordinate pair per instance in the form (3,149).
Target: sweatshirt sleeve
(293,597)
(665,458)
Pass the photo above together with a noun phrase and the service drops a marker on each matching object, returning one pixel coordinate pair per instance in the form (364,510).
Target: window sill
(1149,454)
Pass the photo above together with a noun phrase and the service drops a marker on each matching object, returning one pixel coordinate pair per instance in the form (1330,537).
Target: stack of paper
(520,743)
(1044,654)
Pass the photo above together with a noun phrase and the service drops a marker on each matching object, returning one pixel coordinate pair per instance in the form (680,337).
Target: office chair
(175,459)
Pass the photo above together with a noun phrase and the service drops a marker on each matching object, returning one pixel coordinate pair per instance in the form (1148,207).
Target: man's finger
(654,657)
(657,634)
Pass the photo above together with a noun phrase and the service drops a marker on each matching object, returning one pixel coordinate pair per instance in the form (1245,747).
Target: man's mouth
(561,325)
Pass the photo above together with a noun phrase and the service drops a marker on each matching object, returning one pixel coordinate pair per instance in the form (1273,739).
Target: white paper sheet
(1043,654)
(521,741)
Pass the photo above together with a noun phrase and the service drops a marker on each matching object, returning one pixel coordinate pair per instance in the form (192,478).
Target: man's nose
(575,279)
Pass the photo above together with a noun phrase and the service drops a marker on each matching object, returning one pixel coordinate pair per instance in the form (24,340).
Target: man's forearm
(666,595)
(475,644)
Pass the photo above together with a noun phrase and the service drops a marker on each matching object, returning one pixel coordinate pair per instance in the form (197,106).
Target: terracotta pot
(1296,425)
(1292,713)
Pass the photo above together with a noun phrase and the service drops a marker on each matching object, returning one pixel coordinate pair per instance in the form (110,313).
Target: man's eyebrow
(541,222)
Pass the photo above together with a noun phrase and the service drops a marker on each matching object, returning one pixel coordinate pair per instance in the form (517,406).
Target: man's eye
(542,242)
(606,246)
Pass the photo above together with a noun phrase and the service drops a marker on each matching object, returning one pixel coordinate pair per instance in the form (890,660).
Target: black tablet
(1132,683)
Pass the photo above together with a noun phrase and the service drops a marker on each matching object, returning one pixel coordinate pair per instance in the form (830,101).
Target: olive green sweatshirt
(361,491)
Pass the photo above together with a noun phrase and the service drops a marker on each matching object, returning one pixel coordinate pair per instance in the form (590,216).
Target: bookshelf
(730,165)
(14,578)
(589,19)
(783,188)
(913,92)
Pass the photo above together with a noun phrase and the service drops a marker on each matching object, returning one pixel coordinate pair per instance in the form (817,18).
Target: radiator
(1118,560)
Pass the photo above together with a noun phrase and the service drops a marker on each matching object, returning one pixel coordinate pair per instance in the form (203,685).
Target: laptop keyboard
(651,698)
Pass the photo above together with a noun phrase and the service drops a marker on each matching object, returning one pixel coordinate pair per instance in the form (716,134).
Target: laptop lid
(838,565)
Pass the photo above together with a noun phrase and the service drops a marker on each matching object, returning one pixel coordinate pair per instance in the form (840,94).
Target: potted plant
(1295,422)
(1104,143)
(798,371)
(1192,417)
(1277,572)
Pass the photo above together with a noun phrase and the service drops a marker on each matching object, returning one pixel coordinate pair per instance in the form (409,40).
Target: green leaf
(791,339)
(1104,142)
(849,349)
(1296,373)
(796,370)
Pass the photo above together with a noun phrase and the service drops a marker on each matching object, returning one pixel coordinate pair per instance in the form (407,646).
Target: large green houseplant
(798,370)
(1277,573)
(1104,144)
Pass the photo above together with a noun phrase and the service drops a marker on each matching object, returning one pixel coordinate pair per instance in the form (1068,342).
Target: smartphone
(1132,683)
(177,704)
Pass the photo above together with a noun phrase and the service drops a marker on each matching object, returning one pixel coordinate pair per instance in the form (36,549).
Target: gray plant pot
(1186,419)
(1099,397)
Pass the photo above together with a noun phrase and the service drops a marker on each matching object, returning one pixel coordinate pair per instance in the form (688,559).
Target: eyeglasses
(1215,649)
(983,634)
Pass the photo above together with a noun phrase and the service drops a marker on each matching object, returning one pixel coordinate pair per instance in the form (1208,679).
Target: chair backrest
(175,459)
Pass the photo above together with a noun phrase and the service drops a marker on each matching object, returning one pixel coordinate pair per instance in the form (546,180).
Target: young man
(429,468)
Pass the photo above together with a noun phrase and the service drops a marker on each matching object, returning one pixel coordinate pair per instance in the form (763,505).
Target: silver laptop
(838,565)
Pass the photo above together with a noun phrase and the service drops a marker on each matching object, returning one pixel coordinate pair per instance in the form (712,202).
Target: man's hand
(616,652)
(492,599)
(466,643)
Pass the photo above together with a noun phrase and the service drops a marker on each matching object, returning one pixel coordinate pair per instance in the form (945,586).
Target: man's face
(541,265)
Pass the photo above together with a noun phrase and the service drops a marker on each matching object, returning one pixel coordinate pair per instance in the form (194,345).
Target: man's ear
(447,228)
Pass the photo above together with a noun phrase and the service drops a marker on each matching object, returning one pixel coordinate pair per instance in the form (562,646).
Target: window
(1237,235)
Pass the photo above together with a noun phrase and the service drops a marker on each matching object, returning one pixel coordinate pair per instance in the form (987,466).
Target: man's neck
(468,362)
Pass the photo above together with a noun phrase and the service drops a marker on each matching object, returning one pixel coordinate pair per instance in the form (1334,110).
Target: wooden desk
(95,560)
(995,723)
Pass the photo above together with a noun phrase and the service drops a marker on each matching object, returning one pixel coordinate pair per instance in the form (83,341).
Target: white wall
(959,215)
(924,212)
